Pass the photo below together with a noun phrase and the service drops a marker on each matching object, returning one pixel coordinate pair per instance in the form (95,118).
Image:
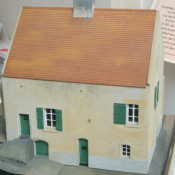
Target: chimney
(83,8)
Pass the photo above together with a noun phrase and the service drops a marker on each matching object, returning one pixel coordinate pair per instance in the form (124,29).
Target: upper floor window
(133,114)
(49,118)
(126,113)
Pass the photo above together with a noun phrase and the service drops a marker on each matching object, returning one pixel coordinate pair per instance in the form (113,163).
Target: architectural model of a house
(87,85)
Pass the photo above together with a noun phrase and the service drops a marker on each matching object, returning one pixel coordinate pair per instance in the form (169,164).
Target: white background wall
(9,9)
(146,4)
(169,88)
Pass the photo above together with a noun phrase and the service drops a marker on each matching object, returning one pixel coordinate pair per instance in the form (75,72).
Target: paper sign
(167,16)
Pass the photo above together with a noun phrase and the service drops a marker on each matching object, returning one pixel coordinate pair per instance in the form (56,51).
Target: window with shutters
(125,151)
(49,118)
(126,114)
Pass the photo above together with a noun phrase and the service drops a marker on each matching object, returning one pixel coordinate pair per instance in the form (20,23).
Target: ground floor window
(41,148)
(125,150)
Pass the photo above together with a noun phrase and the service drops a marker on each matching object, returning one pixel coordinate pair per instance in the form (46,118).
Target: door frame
(35,149)
(79,140)
(20,129)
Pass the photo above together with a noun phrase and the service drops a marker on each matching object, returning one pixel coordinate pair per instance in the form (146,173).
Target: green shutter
(40,123)
(59,126)
(157,91)
(119,113)
(155,97)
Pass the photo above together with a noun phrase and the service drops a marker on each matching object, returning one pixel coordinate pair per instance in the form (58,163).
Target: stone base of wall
(117,164)
(64,158)
(107,163)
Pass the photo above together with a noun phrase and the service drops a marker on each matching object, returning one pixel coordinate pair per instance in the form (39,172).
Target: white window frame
(51,117)
(126,153)
(133,116)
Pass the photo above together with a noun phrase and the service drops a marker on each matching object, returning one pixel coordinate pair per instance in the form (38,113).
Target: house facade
(88,91)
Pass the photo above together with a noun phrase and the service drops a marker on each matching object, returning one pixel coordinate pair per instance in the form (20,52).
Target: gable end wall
(156,74)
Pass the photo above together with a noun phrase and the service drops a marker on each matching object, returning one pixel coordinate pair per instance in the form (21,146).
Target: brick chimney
(83,8)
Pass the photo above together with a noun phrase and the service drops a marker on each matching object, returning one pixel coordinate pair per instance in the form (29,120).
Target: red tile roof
(112,48)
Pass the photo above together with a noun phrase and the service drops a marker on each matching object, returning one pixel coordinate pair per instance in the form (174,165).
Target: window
(125,151)
(133,113)
(126,114)
(49,118)
(156,95)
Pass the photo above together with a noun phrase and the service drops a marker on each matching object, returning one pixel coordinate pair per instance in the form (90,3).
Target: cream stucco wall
(87,113)
(156,72)
(169,88)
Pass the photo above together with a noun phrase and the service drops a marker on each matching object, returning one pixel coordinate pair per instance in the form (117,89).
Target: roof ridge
(96,9)
(33,7)
(130,10)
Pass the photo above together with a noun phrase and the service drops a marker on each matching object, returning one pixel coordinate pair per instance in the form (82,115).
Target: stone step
(21,150)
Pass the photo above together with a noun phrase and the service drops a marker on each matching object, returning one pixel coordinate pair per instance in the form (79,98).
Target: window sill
(128,125)
(52,130)
(125,157)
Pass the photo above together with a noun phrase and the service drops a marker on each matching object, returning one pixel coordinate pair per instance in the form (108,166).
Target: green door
(83,150)
(41,148)
(25,127)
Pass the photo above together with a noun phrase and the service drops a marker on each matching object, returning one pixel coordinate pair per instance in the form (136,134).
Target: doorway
(41,148)
(83,151)
(25,127)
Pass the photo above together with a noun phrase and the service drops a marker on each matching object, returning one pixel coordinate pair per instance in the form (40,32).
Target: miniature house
(87,89)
